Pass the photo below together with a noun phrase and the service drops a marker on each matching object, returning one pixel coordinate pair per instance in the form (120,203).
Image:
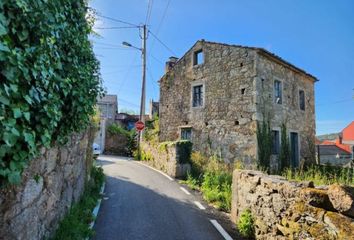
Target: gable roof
(348,132)
(332,150)
(259,50)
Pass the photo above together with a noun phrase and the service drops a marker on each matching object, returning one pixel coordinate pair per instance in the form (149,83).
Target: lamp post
(142,100)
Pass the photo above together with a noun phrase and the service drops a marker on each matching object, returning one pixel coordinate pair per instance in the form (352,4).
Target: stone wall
(116,144)
(289,210)
(298,121)
(165,159)
(50,184)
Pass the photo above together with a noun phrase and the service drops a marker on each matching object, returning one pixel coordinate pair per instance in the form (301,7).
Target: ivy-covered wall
(49,78)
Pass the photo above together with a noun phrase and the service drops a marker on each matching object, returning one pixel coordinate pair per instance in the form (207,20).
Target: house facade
(216,93)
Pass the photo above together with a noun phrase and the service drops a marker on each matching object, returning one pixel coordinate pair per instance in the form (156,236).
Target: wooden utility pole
(143,88)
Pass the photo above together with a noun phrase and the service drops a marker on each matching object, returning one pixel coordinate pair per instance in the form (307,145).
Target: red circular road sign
(139,125)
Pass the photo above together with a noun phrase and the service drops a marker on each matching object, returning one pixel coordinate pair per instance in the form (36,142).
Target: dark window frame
(302,103)
(198,96)
(186,133)
(197,60)
(275,142)
(278,91)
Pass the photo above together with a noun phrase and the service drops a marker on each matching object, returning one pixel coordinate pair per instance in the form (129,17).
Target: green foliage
(146,156)
(245,223)
(264,140)
(115,129)
(75,224)
(321,174)
(50,78)
(183,151)
(151,132)
(284,154)
(213,178)
(216,188)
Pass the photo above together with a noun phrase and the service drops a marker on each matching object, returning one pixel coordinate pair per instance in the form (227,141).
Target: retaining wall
(50,184)
(290,210)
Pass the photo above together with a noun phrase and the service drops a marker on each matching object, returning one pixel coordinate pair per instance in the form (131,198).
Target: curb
(97,208)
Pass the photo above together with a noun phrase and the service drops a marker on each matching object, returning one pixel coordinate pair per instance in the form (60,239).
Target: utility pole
(142,103)
(143,83)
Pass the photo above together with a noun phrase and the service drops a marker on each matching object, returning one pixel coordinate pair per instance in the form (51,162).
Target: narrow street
(140,203)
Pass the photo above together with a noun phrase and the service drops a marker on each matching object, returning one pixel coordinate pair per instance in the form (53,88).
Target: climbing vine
(49,78)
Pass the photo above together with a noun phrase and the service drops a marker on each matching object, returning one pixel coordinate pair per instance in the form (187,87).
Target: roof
(332,150)
(262,51)
(108,99)
(348,132)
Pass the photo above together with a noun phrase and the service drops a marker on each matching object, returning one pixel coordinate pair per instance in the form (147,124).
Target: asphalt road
(140,203)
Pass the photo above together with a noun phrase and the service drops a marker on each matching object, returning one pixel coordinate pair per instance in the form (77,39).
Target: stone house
(215,94)
(108,106)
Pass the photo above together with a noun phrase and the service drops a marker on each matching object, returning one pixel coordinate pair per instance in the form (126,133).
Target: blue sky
(317,36)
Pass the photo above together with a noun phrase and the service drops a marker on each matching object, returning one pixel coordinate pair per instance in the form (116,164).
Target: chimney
(340,138)
(170,63)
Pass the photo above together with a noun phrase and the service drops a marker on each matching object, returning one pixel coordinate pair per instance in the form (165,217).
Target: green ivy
(49,78)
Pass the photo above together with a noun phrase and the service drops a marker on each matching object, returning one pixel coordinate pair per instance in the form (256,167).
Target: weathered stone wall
(289,210)
(116,144)
(225,124)
(289,112)
(237,83)
(50,184)
(165,159)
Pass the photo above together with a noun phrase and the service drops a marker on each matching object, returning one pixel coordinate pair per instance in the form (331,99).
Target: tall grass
(321,175)
(213,178)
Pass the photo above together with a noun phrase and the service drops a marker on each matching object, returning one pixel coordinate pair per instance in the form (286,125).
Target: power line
(117,20)
(156,59)
(149,10)
(114,27)
(125,101)
(163,44)
(335,102)
(161,21)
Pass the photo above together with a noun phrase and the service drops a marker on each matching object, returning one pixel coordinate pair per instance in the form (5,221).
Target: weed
(245,223)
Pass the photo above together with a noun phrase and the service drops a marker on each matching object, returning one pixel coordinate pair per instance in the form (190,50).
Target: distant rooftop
(109,98)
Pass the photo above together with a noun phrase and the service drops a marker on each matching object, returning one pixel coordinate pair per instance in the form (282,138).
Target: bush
(216,187)
(75,224)
(50,78)
(213,178)
(245,224)
(183,151)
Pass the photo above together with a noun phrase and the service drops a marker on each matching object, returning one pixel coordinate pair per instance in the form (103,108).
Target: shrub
(264,140)
(50,78)
(245,223)
(284,154)
(216,187)
(183,151)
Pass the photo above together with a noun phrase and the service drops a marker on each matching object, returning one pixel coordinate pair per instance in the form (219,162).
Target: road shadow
(133,212)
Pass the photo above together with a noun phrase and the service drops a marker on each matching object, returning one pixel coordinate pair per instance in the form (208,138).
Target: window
(186,133)
(302,100)
(277,92)
(198,57)
(275,142)
(198,96)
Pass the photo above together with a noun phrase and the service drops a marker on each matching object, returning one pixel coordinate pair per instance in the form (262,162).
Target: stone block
(342,198)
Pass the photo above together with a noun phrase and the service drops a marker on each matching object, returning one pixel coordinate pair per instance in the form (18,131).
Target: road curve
(140,203)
